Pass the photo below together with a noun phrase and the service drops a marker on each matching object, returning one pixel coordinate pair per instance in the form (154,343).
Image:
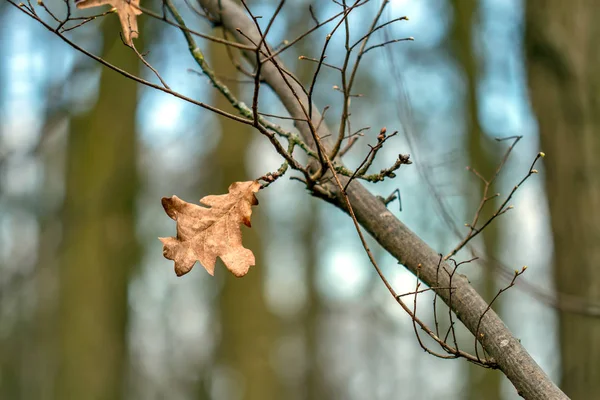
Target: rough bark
(527,377)
(564,79)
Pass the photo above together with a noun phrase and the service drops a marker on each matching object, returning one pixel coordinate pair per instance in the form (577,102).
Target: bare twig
(127,74)
(147,64)
(478,335)
(503,208)
(366,163)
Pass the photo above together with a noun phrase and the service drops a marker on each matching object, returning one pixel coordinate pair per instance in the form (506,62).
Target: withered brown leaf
(128,11)
(205,233)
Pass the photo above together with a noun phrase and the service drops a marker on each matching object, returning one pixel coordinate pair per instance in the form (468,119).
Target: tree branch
(506,350)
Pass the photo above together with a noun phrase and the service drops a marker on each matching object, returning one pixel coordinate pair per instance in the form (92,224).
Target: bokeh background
(89,308)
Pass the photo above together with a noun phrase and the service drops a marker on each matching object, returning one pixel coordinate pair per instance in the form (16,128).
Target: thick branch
(506,350)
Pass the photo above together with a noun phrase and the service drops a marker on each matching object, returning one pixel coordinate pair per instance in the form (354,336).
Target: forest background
(88,305)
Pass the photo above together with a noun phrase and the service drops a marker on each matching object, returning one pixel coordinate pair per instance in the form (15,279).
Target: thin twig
(479,336)
(503,208)
(102,61)
(147,64)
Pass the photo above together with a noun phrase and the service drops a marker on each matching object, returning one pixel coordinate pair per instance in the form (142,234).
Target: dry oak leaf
(205,233)
(128,11)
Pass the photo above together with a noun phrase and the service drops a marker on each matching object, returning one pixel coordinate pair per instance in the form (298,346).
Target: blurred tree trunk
(483,383)
(42,373)
(249,331)
(316,377)
(564,79)
(99,246)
